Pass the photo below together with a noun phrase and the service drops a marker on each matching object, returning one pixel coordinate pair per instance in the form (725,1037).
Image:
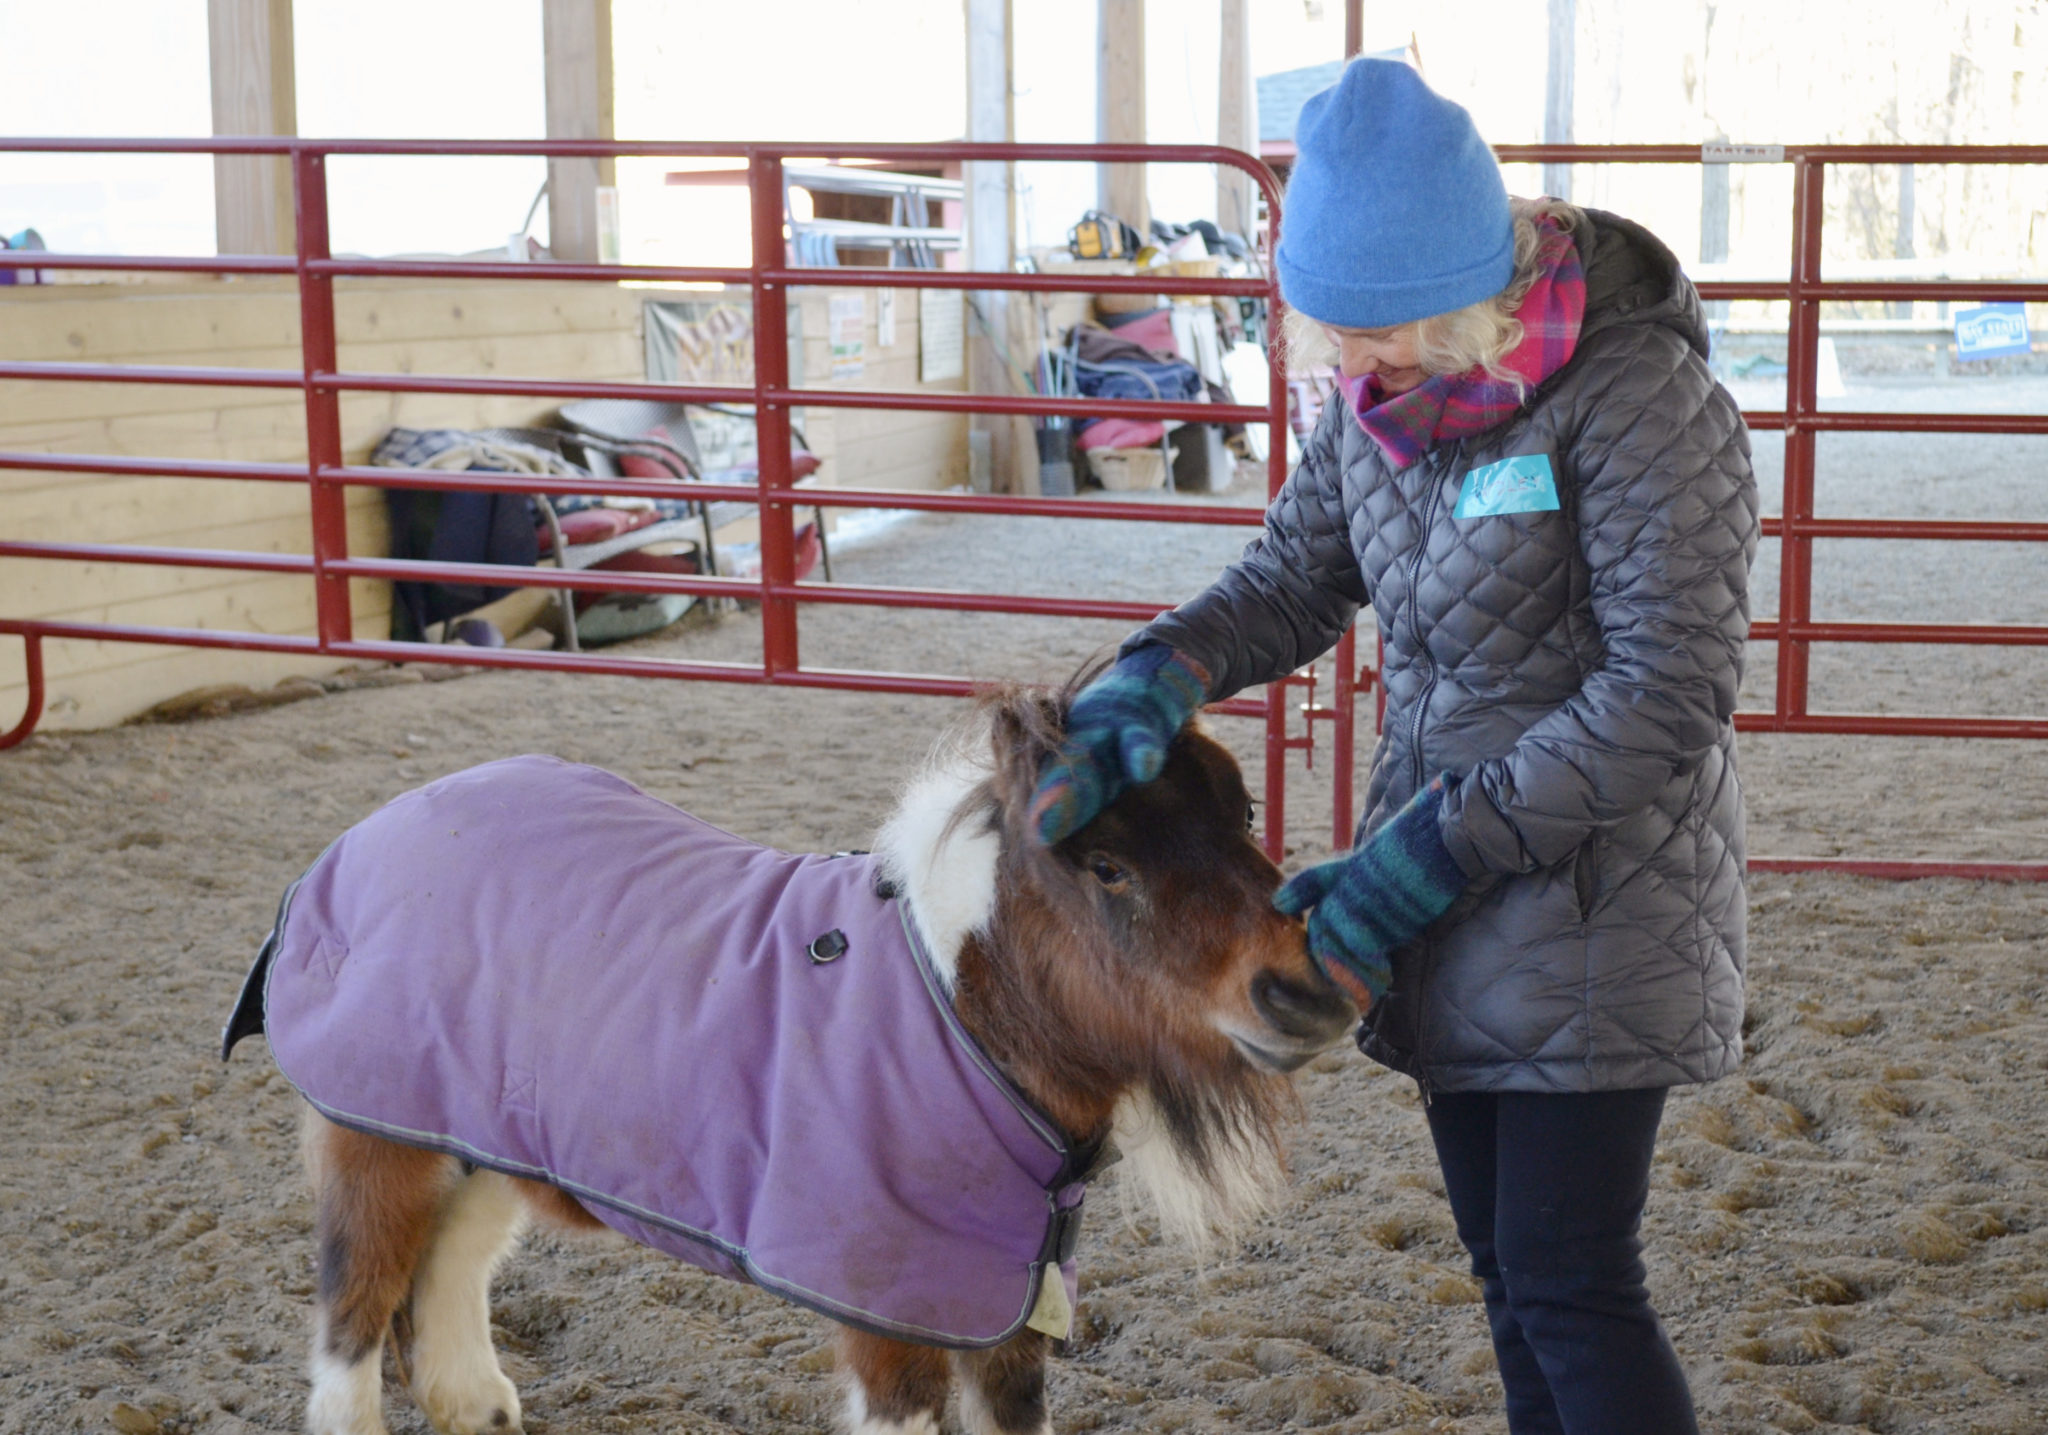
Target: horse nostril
(1297,1009)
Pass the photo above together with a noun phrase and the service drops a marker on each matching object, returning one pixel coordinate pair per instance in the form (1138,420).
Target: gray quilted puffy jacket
(1576,669)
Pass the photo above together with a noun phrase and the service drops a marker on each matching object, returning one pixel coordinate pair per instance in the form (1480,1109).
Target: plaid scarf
(1455,405)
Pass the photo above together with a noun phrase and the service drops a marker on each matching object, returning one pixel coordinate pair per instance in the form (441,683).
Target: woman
(1547,500)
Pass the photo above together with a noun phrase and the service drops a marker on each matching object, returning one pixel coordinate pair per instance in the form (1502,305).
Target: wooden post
(1236,120)
(577,40)
(250,45)
(991,241)
(1557,93)
(1714,224)
(1120,107)
(1902,243)
(779,650)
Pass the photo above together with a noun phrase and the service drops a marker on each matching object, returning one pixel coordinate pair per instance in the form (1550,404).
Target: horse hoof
(489,1411)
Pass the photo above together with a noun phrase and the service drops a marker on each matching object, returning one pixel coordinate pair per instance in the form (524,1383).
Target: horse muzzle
(1298,1019)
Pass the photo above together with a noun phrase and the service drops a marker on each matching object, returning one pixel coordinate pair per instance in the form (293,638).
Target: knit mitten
(1118,730)
(1377,897)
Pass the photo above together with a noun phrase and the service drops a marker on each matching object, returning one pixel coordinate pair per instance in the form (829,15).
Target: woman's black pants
(1547,1191)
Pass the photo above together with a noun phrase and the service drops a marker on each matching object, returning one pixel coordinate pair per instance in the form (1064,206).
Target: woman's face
(1389,353)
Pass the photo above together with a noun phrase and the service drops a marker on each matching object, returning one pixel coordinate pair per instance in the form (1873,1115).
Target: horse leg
(897,1388)
(455,1374)
(374,1209)
(1002,1391)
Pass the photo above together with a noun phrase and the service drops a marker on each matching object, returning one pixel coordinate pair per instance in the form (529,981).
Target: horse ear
(1024,730)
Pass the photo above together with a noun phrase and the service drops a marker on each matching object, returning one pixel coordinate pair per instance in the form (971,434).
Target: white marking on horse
(861,1423)
(346,1399)
(945,868)
(455,1374)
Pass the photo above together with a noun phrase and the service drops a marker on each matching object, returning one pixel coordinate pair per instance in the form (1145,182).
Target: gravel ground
(1845,1236)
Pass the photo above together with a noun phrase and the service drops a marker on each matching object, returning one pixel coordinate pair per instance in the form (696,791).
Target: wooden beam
(1557,92)
(991,240)
(1120,107)
(250,47)
(1714,214)
(1236,119)
(990,119)
(577,37)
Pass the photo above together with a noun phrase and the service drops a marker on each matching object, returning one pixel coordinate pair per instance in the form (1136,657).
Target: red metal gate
(769,277)
(1795,630)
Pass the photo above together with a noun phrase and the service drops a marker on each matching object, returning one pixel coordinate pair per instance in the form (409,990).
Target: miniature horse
(1132,982)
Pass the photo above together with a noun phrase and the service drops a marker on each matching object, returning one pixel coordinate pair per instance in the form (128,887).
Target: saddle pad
(541,969)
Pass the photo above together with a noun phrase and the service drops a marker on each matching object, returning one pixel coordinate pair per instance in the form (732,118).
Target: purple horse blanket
(739,1056)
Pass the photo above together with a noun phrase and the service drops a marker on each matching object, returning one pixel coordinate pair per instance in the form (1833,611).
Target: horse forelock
(1023,727)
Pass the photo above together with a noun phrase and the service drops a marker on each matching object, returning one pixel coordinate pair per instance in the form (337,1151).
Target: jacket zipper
(1429,504)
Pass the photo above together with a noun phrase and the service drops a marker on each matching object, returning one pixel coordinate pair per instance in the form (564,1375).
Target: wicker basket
(1128,303)
(1124,469)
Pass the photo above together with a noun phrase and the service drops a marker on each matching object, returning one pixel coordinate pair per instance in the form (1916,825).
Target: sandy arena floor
(1849,1235)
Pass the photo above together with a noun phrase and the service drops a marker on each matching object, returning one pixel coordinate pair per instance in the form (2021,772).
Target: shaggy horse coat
(736,1055)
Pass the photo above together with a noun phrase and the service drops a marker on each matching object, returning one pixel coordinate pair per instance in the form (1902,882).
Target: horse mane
(942,844)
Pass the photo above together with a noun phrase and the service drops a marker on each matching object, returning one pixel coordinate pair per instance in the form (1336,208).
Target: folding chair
(615,430)
(576,451)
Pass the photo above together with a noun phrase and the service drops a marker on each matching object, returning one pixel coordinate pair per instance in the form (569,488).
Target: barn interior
(909,488)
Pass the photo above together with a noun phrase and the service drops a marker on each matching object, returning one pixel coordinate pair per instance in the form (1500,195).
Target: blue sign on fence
(1991,331)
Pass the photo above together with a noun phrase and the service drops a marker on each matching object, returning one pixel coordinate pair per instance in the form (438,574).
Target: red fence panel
(1795,631)
(770,275)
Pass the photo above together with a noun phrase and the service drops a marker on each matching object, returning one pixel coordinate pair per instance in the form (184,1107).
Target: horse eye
(1108,873)
(1251,817)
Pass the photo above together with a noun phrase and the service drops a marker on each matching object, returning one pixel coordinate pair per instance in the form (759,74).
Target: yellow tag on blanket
(1053,1315)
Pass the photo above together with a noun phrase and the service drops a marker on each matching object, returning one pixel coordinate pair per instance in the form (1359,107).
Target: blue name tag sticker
(1522,484)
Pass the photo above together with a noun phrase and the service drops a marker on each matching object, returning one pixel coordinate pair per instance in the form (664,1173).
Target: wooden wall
(571,330)
(875,448)
(861,448)
(583,331)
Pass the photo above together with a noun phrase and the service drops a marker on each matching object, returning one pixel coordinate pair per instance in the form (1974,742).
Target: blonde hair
(1477,336)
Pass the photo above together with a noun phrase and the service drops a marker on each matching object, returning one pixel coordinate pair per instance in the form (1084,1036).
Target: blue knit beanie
(1396,210)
